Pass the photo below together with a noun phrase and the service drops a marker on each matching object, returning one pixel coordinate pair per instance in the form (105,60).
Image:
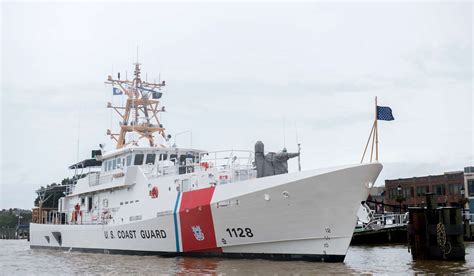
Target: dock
(393,234)
(14,233)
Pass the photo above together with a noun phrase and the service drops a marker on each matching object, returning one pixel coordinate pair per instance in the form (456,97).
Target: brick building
(448,187)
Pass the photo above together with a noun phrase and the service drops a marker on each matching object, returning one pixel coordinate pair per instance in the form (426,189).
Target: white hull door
(304,215)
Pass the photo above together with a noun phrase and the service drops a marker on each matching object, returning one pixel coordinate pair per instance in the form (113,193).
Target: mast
(141,111)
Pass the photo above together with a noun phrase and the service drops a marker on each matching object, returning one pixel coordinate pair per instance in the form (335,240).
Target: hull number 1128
(239,232)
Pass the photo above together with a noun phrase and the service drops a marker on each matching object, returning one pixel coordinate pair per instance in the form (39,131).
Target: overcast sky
(238,73)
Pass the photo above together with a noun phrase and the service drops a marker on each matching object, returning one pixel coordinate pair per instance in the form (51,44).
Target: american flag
(384,113)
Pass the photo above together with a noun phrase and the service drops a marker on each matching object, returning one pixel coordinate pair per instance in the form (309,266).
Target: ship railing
(230,165)
(162,167)
(227,166)
(69,188)
(48,216)
(380,221)
(42,215)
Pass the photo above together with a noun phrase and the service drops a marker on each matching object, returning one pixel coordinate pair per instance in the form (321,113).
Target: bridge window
(138,159)
(129,160)
(150,158)
(109,166)
(163,156)
(173,157)
(119,162)
(114,164)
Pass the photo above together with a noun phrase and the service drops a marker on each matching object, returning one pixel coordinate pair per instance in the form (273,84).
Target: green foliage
(400,199)
(9,218)
(50,199)
(51,196)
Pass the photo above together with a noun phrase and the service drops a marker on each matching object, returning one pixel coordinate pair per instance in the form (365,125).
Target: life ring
(154,192)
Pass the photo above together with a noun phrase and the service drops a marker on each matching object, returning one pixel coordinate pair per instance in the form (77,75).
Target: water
(17,258)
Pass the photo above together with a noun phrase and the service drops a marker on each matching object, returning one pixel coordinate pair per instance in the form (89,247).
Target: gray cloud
(237,73)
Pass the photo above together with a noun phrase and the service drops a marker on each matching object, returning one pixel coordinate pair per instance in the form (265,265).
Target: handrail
(380,221)
(229,163)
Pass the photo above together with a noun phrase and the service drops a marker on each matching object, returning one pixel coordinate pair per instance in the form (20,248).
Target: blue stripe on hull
(175,215)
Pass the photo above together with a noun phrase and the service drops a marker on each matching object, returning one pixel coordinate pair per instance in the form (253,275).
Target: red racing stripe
(196,224)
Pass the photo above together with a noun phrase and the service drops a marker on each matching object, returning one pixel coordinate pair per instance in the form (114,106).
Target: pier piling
(436,233)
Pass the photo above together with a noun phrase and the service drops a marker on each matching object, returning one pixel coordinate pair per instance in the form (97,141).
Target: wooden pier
(395,234)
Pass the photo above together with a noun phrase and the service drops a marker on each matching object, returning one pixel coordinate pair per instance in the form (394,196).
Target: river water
(17,258)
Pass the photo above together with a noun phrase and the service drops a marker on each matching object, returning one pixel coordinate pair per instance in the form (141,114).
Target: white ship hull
(304,215)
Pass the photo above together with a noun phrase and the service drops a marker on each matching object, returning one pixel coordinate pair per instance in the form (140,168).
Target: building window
(393,193)
(455,189)
(471,206)
(470,188)
(138,159)
(469,169)
(422,190)
(407,192)
(439,189)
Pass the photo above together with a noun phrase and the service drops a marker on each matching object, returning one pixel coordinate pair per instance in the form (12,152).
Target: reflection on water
(17,258)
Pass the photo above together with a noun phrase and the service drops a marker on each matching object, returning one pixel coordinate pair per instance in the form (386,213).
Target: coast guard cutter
(164,200)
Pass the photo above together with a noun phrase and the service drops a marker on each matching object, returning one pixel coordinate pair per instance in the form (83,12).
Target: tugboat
(154,198)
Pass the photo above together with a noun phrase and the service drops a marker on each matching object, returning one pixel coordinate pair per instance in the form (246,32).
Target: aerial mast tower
(141,111)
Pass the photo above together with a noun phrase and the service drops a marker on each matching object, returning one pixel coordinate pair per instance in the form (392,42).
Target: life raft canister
(205,165)
(154,192)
